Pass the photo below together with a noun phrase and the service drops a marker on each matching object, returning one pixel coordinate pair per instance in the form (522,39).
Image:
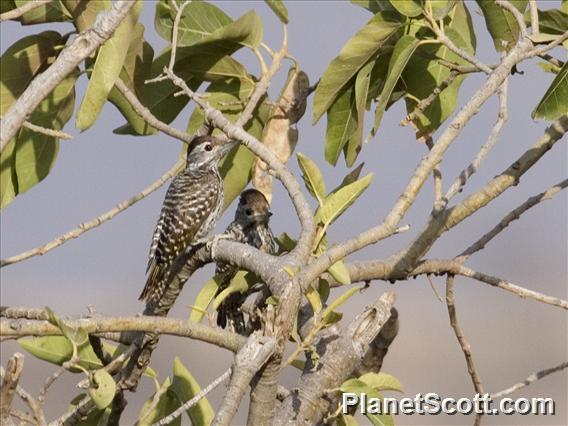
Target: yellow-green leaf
(106,70)
(554,103)
(312,177)
(204,298)
(102,389)
(240,283)
(501,23)
(279,9)
(329,310)
(382,382)
(315,300)
(356,53)
(167,403)
(410,8)
(186,387)
(340,272)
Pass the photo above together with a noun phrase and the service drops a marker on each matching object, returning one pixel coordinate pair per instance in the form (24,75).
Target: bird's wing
(184,213)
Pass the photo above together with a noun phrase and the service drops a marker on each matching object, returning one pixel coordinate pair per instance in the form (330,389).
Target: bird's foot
(211,242)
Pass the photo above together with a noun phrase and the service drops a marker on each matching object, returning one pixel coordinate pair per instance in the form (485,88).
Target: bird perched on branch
(191,208)
(250,226)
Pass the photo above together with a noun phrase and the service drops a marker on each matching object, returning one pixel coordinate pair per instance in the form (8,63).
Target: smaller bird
(191,208)
(250,226)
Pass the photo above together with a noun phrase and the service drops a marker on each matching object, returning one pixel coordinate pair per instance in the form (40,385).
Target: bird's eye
(248,212)
(208,147)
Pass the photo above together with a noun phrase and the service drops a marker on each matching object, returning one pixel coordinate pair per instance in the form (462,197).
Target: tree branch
(15,328)
(502,117)
(93,223)
(9,384)
(529,380)
(24,8)
(248,362)
(49,132)
(85,44)
(338,358)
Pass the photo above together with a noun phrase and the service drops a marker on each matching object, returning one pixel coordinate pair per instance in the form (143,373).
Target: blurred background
(510,337)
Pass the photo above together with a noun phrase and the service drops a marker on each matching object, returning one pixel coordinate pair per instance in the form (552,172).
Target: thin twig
(49,132)
(434,289)
(37,412)
(455,267)
(512,216)
(529,380)
(10,381)
(437,175)
(19,11)
(516,14)
(554,61)
(541,50)
(147,115)
(459,183)
(446,41)
(427,101)
(534,17)
(175,29)
(93,223)
(188,404)
(466,349)
(50,380)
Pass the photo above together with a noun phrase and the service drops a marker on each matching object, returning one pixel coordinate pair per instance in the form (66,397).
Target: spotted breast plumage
(191,208)
(250,226)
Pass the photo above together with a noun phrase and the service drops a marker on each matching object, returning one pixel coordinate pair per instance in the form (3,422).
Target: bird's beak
(225,148)
(263,217)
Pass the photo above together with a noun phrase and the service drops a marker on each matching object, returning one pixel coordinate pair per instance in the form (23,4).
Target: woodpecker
(191,208)
(250,226)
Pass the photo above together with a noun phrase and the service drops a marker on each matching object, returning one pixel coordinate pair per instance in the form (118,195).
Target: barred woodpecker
(191,208)
(250,226)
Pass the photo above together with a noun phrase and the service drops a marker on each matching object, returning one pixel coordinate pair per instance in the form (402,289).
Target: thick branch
(82,47)
(9,384)
(338,358)
(15,328)
(248,362)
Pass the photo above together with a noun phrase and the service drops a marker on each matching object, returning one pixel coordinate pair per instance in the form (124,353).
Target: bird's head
(206,151)
(253,208)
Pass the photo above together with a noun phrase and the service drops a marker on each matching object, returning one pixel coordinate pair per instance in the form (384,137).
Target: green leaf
(312,177)
(240,283)
(423,73)
(323,289)
(285,243)
(554,103)
(199,20)
(382,382)
(48,12)
(356,53)
(279,9)
(548,67)
(357,386)
(33,154)
(336,203)
(410,8)
(106,70)
(136,70)
(186,387)
(403,50)
(551,21)
(315,300)
(501,24)
(349,178)
(104,387)
(202,22)
(58,350)
(340,273)
(439,8)
(204,298)
(564,6)
(347,420)
(84,12)
(328,313)
(299,364)
(341,123)
(22,61)
(362,82)
(374,6)
(167,404)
